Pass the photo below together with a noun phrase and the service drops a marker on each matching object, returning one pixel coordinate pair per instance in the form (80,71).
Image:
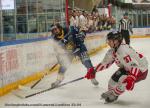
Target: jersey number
(127,59)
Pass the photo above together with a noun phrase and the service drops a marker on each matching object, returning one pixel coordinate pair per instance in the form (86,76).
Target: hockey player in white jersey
(133,67)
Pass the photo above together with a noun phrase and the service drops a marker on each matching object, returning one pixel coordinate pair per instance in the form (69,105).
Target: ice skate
(60,78)
(56,83)
(109,97)
(94,82)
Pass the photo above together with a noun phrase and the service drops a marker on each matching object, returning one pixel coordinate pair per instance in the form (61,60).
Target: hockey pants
(115,83)
(85,59)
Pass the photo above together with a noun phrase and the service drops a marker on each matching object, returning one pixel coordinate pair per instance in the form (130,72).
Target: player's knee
(111,84)
(118,74)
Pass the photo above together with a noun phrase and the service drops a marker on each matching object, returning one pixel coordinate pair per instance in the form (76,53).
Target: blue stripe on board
(22,41)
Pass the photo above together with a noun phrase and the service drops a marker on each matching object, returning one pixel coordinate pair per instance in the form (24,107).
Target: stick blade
(19,93)
(23,93)
(32,92)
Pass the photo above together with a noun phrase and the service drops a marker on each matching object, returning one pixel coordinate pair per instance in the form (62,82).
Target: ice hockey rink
(83,94)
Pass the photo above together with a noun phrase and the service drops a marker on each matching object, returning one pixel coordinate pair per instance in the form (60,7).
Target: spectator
(90,23)
(74,19)
(83,21)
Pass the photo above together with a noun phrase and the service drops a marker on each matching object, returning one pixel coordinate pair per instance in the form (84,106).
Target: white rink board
(22,60)
(141,31)
(82,94)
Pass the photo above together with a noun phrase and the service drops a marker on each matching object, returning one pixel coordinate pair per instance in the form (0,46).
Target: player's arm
(132,60)
(66,35)
(130,27)
(106,63)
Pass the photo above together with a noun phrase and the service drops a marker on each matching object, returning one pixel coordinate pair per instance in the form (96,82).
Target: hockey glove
(65,41)
(91,73)
(130,81)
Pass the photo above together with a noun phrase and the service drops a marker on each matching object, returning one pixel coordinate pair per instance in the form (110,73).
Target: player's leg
(64,60)
(115,86)
(60,76)
(88,64)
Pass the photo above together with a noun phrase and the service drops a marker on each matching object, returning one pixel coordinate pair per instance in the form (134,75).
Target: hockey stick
(48,89)
(27,88)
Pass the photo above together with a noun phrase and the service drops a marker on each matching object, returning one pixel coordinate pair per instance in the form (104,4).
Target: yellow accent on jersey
(70,45)
(61,36)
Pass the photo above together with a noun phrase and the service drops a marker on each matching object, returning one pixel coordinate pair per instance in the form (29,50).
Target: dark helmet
(115,35)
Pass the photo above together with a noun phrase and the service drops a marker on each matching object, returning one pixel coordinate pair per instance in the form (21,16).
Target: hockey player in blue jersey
(75,40)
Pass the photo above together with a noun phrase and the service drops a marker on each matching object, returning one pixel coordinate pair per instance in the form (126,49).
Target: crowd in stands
(91,21)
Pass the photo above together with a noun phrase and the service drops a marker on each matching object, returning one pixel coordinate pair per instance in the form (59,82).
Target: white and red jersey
(125,57)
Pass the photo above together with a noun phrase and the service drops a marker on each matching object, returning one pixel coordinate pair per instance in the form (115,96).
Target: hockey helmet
(53,27)
(114,35)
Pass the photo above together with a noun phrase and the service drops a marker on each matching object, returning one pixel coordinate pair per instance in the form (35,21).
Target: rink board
(20,59)
(26,62)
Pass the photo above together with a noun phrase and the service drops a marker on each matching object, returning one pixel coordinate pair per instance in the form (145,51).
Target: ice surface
(83,94)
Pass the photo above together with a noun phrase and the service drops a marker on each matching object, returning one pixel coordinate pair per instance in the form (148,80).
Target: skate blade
(109,102)
(103,100)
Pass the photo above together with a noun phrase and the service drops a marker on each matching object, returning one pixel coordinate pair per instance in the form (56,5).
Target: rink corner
(6,89)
